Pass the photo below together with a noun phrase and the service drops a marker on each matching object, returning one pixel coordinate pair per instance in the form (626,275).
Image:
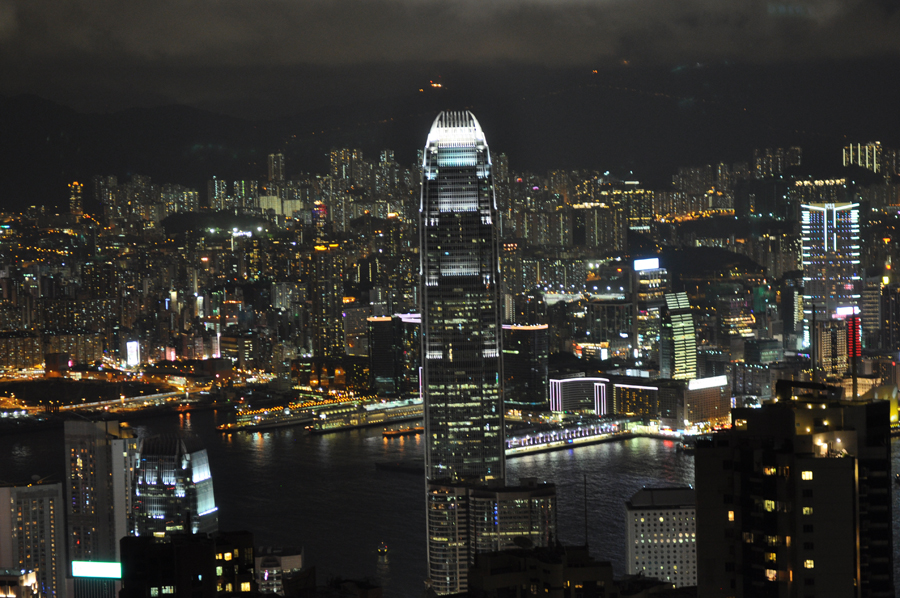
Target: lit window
(770,505)
(809,564)
(168,589)
(245,586)
(227,556)
(771,574)
(807,510)
(219,571)
(154,592)
(730,515)
(806,475)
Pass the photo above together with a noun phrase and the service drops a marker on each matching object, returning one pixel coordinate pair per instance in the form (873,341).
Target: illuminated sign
(702,383)
(846,310)
(96,569)
(648,264)
(133,353)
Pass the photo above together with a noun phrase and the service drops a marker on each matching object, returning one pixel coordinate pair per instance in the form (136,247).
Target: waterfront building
(526,351)
(31,536)
(661,535)
(460,305)
(830,259)
(794,499)
(678,339)
(650,285)
(466,520)
(173,490)
(462,373)
(100,464)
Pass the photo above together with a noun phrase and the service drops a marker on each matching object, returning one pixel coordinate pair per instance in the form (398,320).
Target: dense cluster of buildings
(455,280)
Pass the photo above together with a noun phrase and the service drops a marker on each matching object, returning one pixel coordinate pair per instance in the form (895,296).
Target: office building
(661,535)
(173,490)
(466,520)
(830,260)
(650,285)
(100,464)
(460,305)
(462,372)
(526,351)
(31,536)
(678,339)
(795,499)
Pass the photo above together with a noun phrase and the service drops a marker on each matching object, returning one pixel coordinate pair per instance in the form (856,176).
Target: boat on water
(407,431)
(383,549)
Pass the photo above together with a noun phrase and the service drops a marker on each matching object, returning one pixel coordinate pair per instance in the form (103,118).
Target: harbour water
(324,494)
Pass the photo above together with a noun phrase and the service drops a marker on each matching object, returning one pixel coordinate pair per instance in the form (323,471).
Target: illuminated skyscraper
(830,236)
(461,369)
(324,273)
(460,270)
(678,339)
(173,488)
(76,203)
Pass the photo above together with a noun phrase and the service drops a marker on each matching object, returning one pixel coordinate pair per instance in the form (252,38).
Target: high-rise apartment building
(100,462)
(324,276)
(661,535)
(831,269)
(173,491)
(460,270)
(276,168)
(76,202)
(32,534)
(795,499)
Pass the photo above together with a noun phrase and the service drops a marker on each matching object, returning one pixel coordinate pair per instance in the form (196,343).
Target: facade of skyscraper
(678,340)
(324,273)
(460,270)
(462,377)
(173,488)
(100,463)
(831,268)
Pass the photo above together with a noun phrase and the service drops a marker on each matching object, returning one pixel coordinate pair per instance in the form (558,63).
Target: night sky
(641,86)
(261,58)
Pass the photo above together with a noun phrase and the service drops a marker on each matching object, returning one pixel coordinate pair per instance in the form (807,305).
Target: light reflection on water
(323,493)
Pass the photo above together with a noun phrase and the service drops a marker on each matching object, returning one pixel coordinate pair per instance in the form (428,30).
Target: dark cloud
(172,49)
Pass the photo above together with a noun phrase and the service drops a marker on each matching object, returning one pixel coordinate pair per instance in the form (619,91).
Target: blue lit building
(173,488)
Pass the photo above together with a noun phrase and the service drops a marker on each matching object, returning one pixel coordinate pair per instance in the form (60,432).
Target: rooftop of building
(662,498)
